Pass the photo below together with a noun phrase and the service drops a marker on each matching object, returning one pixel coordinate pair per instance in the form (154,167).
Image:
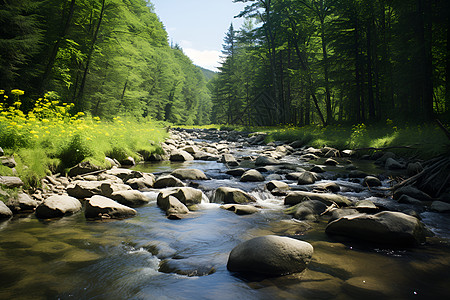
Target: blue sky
(199,26)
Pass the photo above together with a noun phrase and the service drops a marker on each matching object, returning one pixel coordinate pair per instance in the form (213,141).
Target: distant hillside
(208,73)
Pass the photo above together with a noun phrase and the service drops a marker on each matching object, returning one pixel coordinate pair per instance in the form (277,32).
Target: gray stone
(309,210)
(189,174)
(296,197)
(317,169)
(57,206)
(11,182)
(412,192)
(331,162)
(128,161)
(108,188)
(342,212)
(98,207)
(5,212)
(22,203)
(229,195)
(252,176)
(85,189)
(2,152)
(167,181)
(405,199)
(142,183)
(366,206)
(186,195)
(265,161)
(392,164)
(274,184)
(171,205)
(385,227)
(181,155)
(272,177)
(119,172)
(9,162)
(307,178)
(441,207)
(112,162)
(82,168)
(191,149)
(130,198)
(235,172)
(240,209)
(270,255)
(371,181)
(229,160)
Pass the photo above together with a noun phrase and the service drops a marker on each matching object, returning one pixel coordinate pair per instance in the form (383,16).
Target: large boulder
(171,205)
(385,227)
(296,197)
(270,255)
(275,184)
(235,172)
(180,155)
(130,198)
(5,212)
(229,195)
(229,160)
(122,173)
(11,182)
(186,195)
(392,164)
(411,192)
(141,183)
(189,174)
(84,189)
(22,203)
(307,178)
(57,206)
(167,181)
(98,207)
(252,176)
(309,210)
(9,162)
(264,161)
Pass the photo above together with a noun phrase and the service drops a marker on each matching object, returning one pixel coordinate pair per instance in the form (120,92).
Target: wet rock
(271,177)
(168,181)
(252,176)
(296,197)
(181,155)
(83,168)
(186,195)
(171,205)
(357,174)
(265,161)
(412,192)
(342,212)
(240,209)
(119,172)
(382,160)
(414,168)
(371,181)
(366,206)
(317,169)
(9,162)
(441,207)
(307,178)
(385,227)
(229,160)
(235,172)
(332,187)
(22,203)
(191,149)
(11,182)
(274,184)
(143,183)
(270,255)
(128,161)
(348,153)
(112,162)
(229,195)
(309,210)
(58,206)
(189,174)
(108,188)
(331,162)
(185,267)
(130,198)
(99,207)
(392,164)
(405,199)
(5,212)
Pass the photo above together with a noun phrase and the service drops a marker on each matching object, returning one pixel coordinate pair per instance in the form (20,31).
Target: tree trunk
(326,72)
(447,66)
(369,70)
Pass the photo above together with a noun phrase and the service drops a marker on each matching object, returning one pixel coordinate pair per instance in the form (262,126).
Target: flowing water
(151,257)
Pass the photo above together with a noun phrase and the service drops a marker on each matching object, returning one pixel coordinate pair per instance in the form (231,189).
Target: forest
(302,62)
(106,57)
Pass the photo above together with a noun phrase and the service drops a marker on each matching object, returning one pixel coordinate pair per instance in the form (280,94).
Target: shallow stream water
(151,257)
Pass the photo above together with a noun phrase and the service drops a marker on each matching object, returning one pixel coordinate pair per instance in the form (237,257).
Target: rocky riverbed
(245,218)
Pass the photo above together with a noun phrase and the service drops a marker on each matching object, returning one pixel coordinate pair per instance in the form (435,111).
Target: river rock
(405,199)
(412,192)
(186,195)
(102,207)
(366,206)
(85,189)
(441,207)
(331,162)
(371,181)
(191,149)
(275,184)
(392,164)
(229,160)
(385,227)
(142,183)
(296,197)
(229,195)
(382,160)
(309,210)
(265,161)
(128,161)
(189,174)
(252,176)
(5,212)
(11,182)
(108,188)
(332,187)
(235,172)
(167,181)
(130,198)
(272,177)
(122,173)
(22,203)
(270,255)
(82,168)
(181,155)
(240,209)
(338,213)
(171,205)
(317,169)
(9,162)
(307,178)
(57,206)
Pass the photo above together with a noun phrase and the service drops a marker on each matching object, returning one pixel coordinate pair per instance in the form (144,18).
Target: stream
(152,257)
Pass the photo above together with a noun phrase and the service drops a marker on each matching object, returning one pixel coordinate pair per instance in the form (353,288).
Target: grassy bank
(424,141)
(50,138)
